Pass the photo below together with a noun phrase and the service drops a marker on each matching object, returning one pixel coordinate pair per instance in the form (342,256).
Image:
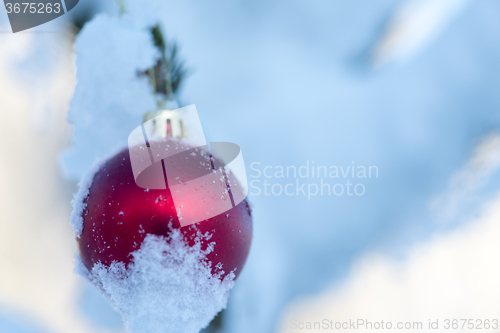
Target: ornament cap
(164,124)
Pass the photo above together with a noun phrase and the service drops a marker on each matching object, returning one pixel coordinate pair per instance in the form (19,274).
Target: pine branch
(169,71)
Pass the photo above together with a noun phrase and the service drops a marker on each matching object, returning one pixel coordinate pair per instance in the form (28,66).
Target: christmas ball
(118,214)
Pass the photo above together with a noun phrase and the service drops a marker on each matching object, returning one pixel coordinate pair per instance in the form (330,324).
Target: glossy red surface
(119,214)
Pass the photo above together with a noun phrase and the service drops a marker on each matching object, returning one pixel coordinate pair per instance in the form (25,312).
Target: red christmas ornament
(119,214)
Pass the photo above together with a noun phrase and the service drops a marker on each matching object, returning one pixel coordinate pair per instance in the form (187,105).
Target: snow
(97,309)
(448,276)
(110,98)
(167,288)
(413,27)
(76,217)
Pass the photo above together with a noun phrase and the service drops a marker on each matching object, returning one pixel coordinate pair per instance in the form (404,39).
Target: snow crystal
(76,218)
(167,287)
